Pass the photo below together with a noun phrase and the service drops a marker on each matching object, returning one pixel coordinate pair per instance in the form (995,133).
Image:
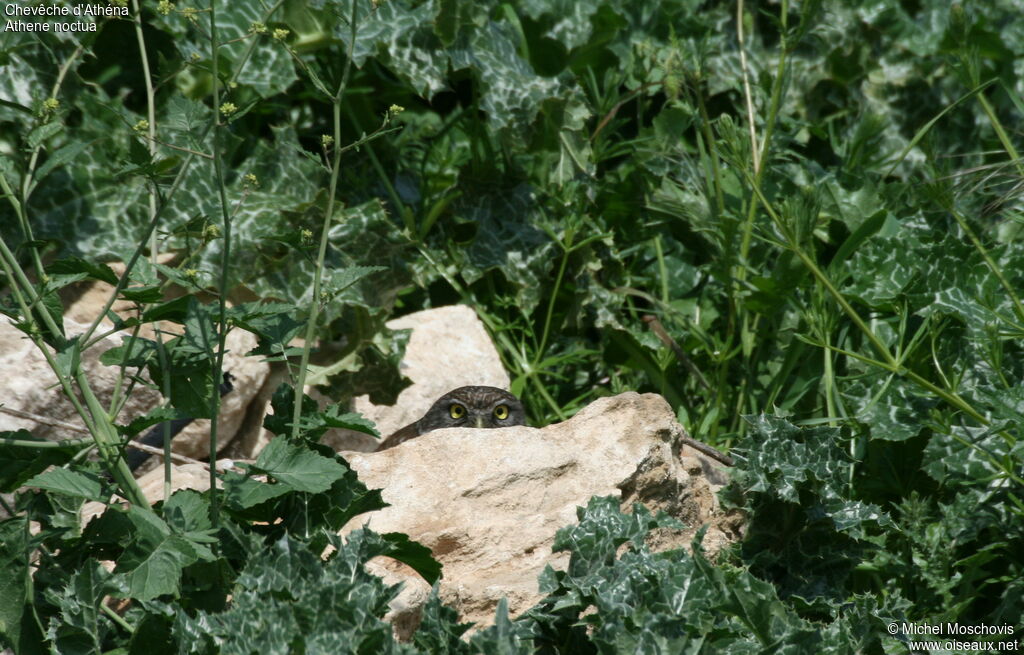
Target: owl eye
(501,412)
(456,411)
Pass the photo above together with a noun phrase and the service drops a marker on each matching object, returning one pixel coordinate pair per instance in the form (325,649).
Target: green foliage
(822,210)
(287,600)
(179,568)
(18,464)
(669,602)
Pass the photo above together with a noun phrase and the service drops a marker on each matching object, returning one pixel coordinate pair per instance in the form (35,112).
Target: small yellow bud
(141,126)
(228,108)
(258,27)
(165,7)
(51,104)
(326,140)
(281,34)
(251,180)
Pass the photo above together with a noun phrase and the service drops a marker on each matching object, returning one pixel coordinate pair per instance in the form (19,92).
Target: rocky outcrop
(488,502)
(32,389)
(31,386)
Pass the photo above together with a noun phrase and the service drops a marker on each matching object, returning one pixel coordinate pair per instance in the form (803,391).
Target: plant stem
(154,246)
(93,415)
(1001,133)
(566,249)
(746,86)
(314,304)
(225,264)
(116,618)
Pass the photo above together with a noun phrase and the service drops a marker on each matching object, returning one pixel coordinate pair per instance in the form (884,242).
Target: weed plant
(799,222)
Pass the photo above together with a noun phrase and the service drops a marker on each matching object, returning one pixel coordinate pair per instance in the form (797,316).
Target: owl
(465,407)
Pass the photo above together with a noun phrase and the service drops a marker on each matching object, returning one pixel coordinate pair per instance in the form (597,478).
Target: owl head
(473,407)
(465,407)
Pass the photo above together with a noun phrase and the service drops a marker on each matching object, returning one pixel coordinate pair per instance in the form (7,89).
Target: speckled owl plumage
(465,407)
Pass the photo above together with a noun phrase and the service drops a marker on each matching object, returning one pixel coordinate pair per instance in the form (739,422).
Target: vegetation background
(820,202)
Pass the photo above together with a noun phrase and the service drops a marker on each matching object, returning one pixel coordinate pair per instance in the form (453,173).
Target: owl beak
(479,421)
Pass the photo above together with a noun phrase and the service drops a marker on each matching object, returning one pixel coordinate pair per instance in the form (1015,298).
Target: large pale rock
(488,502)
(30,386)
(448,348)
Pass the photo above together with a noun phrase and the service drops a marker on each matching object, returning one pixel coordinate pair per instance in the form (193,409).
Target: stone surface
(32,388)
(29,384)
(448,348)
(488,502)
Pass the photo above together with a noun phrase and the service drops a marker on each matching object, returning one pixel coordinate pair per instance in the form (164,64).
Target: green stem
(225,264)
(566,249)
(108,442)
(314,304)
(16,275)
(1001,133)
(45,445)
(709,139)
(662,269)
(769,129)
(116,618)
(383,176)
(154,246)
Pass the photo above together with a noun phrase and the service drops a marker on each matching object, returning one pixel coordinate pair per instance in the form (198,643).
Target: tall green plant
(186,552)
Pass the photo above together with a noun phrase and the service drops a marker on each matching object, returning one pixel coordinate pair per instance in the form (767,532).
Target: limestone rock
(448,348)
(29,384)
(488,502)
(32,389)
